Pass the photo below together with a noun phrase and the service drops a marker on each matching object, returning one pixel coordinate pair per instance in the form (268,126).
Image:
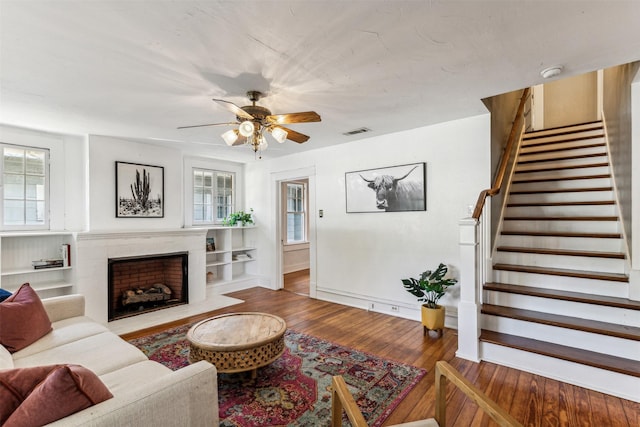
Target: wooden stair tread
(563,167)
(563,190)
(560,218)
(575,323)
(557,294)
(558,149)
(614,277)
(562,234)
(563,178)
(590,125)
(563,252)
(585,203)
(585,357)
(557,159)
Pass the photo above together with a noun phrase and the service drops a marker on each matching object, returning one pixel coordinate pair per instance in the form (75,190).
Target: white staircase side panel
(562,210)
(561,173)
(608,382)
(564,163)
(541,154)
(562,226)
(599,343)
(583,263)
(580,310)
(573,284)
(562,184)
(570,196)
(569,243)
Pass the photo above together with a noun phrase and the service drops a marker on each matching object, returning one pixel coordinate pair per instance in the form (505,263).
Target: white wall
(103,153)
(362,257)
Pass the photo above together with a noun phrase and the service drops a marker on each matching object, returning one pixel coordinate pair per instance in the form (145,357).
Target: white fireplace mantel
(95,248)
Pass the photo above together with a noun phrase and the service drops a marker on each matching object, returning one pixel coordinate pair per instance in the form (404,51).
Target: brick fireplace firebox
(146,283)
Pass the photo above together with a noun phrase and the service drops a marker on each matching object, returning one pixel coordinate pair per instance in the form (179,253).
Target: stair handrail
(502,168)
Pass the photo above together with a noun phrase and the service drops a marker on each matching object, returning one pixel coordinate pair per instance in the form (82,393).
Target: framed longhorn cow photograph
(390,189)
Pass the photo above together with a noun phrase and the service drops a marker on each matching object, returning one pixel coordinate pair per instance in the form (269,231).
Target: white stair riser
(602,265)
(562,173)
(562,226)
(561,184)
(531,154)
(562,211)
(558,145)
(597,312)
(608,382)
(567,163)
(575,243)
(576,196)
(600,343)
(573,284)
(579,136)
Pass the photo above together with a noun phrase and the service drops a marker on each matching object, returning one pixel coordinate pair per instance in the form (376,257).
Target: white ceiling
(139,69)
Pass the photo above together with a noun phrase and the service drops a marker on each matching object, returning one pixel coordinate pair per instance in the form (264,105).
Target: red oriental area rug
(295,390)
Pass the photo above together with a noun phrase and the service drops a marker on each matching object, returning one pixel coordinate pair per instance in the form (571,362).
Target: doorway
(294,229)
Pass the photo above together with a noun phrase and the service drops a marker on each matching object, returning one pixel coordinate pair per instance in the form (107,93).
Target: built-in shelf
(18,249)
(221,266)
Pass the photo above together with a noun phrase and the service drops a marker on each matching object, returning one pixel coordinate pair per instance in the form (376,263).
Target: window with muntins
(296,223)
(213,193)
(24,187)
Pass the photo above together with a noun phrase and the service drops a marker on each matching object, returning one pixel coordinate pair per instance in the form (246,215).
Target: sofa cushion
(6,361)
(23,319)
(4,294)
(64,332)
(102,353)
(121,380)
(47,393)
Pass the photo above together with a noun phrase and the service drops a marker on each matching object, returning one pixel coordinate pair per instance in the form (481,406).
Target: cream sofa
(145,393)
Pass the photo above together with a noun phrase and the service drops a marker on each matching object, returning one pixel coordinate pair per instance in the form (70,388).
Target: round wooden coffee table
(237,342)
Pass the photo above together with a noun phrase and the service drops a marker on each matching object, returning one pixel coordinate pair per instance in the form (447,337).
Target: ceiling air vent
(357,131)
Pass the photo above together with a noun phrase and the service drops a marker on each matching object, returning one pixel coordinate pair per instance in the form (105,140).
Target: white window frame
(191,162)
(214,195)
(304,212)
(47,190)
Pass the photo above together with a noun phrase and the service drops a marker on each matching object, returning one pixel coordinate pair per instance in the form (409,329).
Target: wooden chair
(341,399)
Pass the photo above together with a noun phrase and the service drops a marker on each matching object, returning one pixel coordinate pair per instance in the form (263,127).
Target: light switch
(321,213)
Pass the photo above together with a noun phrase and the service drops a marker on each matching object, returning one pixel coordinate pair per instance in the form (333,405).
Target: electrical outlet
(371,306)
(395,308)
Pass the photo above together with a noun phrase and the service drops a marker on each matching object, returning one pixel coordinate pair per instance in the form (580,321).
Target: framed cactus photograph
(139,191)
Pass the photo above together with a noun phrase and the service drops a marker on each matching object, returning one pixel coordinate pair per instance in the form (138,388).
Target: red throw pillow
(23,319)
(43,394)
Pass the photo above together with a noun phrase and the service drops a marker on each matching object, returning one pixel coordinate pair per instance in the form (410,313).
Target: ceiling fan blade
(295,136)
(209,124)
(304,117)
(234,109)
(241,140)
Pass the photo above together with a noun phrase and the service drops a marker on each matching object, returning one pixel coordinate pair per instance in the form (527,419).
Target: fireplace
(147,283)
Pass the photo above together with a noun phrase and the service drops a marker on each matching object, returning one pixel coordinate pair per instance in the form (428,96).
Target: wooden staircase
(560,286)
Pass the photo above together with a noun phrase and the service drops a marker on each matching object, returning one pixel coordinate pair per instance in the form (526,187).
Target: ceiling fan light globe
(230,136)
(246,128)
(279,134)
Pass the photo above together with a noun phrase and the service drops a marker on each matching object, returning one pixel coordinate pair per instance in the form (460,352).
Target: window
(296,208)
(212,196)
(25,187)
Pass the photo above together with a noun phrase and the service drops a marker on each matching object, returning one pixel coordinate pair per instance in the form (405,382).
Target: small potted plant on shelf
(429,288)
(239,218)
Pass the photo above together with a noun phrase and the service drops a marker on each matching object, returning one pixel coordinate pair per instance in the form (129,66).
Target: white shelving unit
(20,249)
(233,257)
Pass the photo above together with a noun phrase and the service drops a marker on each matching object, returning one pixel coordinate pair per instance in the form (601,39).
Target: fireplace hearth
(146,283)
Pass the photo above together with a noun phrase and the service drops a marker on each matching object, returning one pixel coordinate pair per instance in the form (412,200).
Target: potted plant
(429,288)
(239,218)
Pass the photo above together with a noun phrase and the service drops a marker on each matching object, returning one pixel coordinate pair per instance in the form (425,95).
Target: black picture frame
(139,190)
(401,188)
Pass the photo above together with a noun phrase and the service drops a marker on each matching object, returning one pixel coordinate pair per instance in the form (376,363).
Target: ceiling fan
(253,120)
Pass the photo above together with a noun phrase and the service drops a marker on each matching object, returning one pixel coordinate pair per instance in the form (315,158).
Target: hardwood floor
(297,282)
(531,399)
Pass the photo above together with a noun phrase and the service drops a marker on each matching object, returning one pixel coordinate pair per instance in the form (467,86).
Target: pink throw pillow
(23,319)
(43,394)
